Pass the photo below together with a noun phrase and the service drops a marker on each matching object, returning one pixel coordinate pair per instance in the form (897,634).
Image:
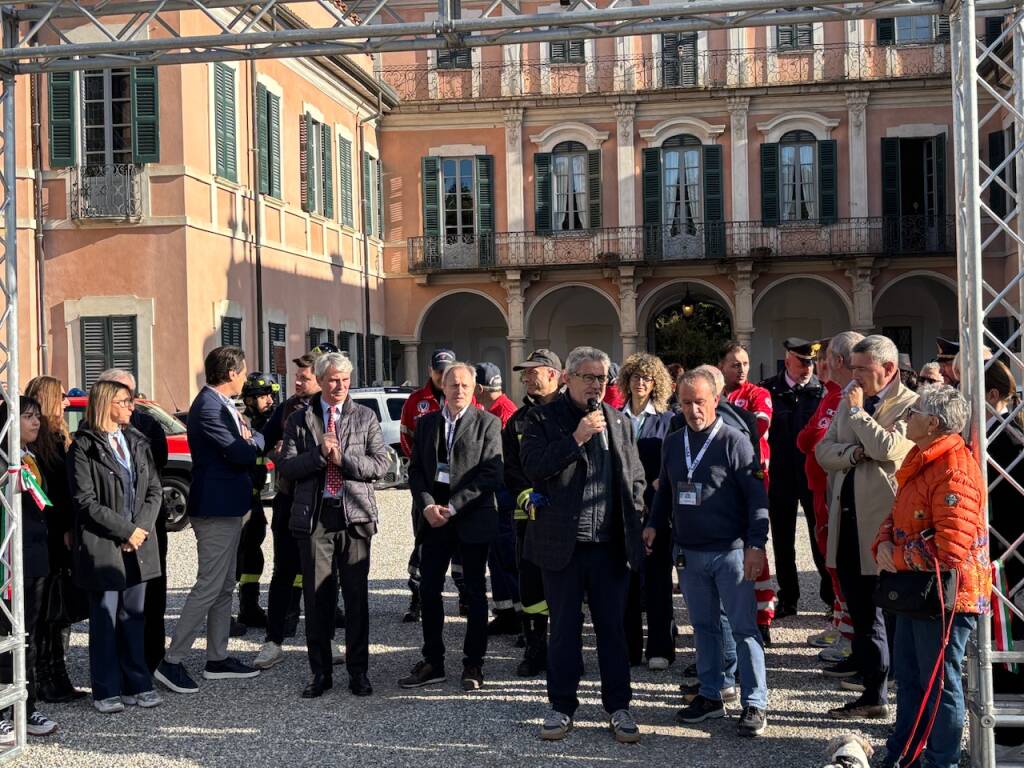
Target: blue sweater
(733,512)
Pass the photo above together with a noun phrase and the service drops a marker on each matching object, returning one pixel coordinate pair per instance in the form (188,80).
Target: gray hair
(117,375)
(457,366)
(716,374)
(582,355)
(700,373)
(842,345)
(329,360)
(930,369)
(881,349)
(946,404)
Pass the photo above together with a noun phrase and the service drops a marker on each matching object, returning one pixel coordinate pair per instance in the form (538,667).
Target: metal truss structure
(37,38)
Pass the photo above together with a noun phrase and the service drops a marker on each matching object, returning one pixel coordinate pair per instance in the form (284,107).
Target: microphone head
(593,405)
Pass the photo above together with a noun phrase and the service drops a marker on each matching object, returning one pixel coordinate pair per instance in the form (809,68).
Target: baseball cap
(488,375)
(441,359)
(540,358)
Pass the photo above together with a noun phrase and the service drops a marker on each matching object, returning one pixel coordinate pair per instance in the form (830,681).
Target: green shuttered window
(108,342)
(224,121)
(345,179)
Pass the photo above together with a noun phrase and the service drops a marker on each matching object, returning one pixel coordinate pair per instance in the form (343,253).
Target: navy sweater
(733,511)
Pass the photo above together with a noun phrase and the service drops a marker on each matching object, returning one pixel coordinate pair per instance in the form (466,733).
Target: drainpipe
(364,362)
(37,213)
(257,204)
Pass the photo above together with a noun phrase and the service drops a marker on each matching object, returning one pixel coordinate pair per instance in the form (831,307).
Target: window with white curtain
(799,171)
(458,199)
(681,179)
(569,169)
(915,29)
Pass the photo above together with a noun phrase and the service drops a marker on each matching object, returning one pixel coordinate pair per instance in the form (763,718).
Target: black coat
(791,410)
(100,527)
(557,468)
(476,470)
(364,459)
(155,434)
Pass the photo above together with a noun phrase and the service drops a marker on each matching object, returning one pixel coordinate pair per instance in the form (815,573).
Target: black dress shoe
(360,685)
(785,610)
(317,686)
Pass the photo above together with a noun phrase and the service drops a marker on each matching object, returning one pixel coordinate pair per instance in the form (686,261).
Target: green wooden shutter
(770,184)
(558,53)
(145,116)
(687,59)
(327,171)
(784,37)
(431,171)
(263,138)
(942,28)
(345,179)
(993,28)
(380,198)
(225,121)
(371,359)
(460,58)
(890,194)
(542,192)
(996,154)
(358,359)
(231,332)
(670,59)
(577,51)
(485,209)
(124,344)
(652,202)
(274,117)
(940,186)
(345,344)
(367,195)
(304,185)
(94,349)
(804,35)
(827,181)
(594,187)
(885,31)
(714,203)
(62,120)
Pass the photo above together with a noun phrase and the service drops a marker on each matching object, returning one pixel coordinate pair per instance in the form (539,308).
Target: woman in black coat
(116,494)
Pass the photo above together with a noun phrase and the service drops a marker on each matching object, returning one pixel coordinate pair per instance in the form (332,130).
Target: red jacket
(614,397)
(503,408)
(942,489)
(813,431)
(421,402)
(758,401)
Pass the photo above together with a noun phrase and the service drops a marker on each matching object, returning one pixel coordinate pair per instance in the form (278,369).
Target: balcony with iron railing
(108,191)
(737,68)
(672,244)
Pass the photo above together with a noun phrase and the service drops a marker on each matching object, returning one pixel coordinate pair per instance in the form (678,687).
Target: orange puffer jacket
(942,489)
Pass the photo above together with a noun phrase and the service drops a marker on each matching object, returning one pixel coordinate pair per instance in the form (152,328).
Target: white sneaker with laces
(269,655)
(6,732)
(111,705)
(149,699)
(39,724)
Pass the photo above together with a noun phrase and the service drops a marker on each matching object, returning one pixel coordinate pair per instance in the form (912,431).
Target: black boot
(535,658)
(291,619)
(249,611)
(413,614)
(59,689)
(505,622)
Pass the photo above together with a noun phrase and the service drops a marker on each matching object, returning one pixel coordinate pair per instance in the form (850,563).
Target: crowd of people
(589,496)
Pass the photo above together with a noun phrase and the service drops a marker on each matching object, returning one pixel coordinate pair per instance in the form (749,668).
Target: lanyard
(692,464)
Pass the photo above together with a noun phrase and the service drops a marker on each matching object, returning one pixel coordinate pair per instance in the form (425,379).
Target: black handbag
(65,604)
(916,593)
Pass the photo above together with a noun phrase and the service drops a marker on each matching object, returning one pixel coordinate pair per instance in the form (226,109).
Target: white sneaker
(39,724)
(149,699)
(269,655)
(657,663)
(825,639)
(111,705)
(836,653)
(337,654)
(7,733)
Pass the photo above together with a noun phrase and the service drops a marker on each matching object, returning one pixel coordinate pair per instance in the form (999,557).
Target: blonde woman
(646,382)
(116,493)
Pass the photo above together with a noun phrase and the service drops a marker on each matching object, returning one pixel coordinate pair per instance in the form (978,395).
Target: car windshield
(170,424)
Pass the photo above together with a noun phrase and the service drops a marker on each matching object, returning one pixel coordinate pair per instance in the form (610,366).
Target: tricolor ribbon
(1001,613)
(27,483)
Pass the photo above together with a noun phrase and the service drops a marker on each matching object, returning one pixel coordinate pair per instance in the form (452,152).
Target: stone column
(861,276)
(411,360)
(742,275)
(857,104)
(514,168)
(738,106)
(626,162)
(515,285)
(628,284)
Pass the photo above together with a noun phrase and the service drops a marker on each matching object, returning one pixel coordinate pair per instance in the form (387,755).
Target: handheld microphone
(593,405)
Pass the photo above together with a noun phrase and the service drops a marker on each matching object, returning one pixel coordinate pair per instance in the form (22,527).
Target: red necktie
(333,470)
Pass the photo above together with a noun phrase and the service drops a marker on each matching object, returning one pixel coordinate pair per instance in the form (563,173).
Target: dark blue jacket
(221,460)
(648,445)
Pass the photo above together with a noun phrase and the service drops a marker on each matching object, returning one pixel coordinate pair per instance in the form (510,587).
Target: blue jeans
(713,582)
(917,646)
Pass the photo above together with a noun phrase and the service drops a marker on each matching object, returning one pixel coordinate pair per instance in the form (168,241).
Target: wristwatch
(855,409)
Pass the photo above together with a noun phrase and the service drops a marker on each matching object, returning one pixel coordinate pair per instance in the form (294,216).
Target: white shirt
(450,423)
(124,458)
(638,421)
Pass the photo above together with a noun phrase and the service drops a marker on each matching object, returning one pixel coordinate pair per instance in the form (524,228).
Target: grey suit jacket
(476,469)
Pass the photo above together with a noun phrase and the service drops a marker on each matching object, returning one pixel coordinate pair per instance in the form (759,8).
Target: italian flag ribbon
(27,483)
(1001,613)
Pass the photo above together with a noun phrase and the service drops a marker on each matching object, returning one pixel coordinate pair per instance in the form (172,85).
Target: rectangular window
(108,342)
(372,192)
(231,332)
(224,105)
(268,107)
(568,52)
(106,116)
(682,187)
(915,29)
(278,367)
(570,184)
(791,37)
(799,193)
(458,199)
(459,58)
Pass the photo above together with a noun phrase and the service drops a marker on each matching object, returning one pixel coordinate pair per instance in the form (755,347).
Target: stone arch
(589,137)
(656,300)
(579,316)
(914,308)
(469,322)
(666,129)
(429,305)
(819,125)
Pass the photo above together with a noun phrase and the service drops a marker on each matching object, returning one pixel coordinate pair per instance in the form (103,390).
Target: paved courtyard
(264,722)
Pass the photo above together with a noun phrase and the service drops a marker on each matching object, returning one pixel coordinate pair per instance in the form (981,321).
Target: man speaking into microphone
(583,532)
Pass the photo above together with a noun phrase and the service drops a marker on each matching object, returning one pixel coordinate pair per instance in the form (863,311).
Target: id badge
(688,494)
(443,475)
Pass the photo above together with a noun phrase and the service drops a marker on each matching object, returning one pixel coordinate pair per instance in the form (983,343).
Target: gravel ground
(264,722)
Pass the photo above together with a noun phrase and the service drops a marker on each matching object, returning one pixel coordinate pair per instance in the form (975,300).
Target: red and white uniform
(421,402)
(504,409)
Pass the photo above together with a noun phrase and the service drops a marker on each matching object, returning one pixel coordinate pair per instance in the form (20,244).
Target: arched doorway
(469,324)
(913,310)
(570,316)
(804,307)
(686,323)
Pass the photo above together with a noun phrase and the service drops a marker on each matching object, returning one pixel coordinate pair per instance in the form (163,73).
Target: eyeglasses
(641,378)
(592,378)
(125,403)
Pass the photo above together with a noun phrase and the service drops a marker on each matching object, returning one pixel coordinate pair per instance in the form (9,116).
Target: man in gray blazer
(454,472)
